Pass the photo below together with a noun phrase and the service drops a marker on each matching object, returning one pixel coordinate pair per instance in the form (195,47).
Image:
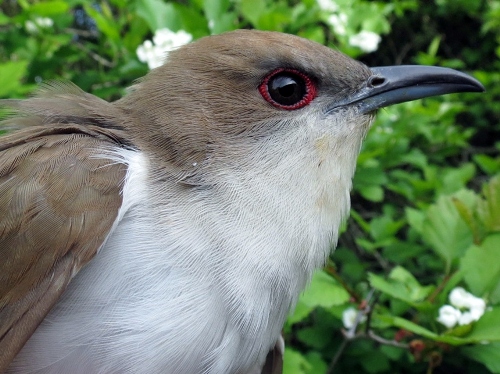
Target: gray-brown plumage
(199,204)
(58,202)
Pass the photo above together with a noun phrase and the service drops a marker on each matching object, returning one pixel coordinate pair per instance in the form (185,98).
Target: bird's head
(246,97)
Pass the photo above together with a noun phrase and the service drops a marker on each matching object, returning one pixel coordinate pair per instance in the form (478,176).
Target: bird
(173,230)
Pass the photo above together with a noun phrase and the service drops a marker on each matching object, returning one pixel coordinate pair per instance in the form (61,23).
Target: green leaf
(368,181)
(158,14)
(487,354)
(407,325)
(384,227)
(404,276)
(253,10)
(4,20)
(352,268)
(226,22)
(295,363)
(214,9)
(301,311)
(444,229)
(401,251)
(135,35)
(374,362)
(467,214)
(10,76)
(454,179)
(315,337)
(459,331)
(324,291)
(318,366)
(434,46)
(480,267)
(192,21)
(415,218)
(372,192)
(49,8)
(415,157)
(419,330)
(370,175)
(276,19)
(401,285)
(487,163)
(393,353)
(487,328)
(316,34)
(489,209)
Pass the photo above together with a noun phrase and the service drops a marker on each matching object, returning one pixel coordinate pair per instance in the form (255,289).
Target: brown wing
(58,202)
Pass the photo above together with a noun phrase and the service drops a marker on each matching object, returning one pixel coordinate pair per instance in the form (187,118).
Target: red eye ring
(288,89)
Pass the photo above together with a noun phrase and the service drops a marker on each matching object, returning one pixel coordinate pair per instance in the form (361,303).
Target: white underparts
(201,279)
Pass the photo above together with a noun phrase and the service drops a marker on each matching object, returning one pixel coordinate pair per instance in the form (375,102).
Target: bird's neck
(250,239)
(228,259)
(237,248)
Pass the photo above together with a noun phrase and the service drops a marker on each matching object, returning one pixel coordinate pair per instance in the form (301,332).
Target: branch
(384,341)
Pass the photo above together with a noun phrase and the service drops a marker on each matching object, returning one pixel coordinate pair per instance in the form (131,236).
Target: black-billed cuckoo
(173,230)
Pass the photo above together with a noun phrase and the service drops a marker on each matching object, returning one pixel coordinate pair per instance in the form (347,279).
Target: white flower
(367,41)
(459,297)
(327,5)
(473,308)
(463,299)
(40,23)
(146,52)
(31,27)
(349,317)
(169,39)
(154,52)
(472,315)
(448,316)
(44,22)
(338,22)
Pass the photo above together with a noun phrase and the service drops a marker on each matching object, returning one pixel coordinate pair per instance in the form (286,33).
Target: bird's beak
(396,84)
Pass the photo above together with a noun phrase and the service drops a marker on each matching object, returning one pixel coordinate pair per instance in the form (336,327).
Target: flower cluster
(327,5)
(39,23)
(465,308)
(154,52)
(339,23)
(365,40)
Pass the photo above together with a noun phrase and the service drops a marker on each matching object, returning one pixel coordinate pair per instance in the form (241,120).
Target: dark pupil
(287,89)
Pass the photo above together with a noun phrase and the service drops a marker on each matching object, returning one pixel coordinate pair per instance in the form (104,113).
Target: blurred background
(414,285)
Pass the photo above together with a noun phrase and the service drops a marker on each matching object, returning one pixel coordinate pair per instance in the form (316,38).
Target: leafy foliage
(426,198)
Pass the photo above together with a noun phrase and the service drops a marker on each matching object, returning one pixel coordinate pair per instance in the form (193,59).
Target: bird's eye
(288,89)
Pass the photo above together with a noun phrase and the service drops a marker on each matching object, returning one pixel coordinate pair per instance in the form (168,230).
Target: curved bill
(396,84)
